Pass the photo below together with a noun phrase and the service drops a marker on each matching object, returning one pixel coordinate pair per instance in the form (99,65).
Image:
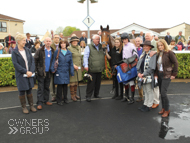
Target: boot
(132,98)
(162,111)
(166,113)
(126,96)
(121,93)
(75,90)
(72,91)
(23,104)
(115,93)
(30,102)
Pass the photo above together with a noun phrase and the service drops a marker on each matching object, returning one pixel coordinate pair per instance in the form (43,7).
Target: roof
(4,17)
(92,32)
(158,30)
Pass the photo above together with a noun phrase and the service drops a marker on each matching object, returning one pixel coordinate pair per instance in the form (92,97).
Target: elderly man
(100,34)
(8,40)
(55,46)
(118,35)
(141,35)
(150,37)
(43,60)
(156,38)
(94,63)
(132,36)
(168,38)
(179,37)
(29,42)
(51,35)
(138,41)
(61,36)
(83,38)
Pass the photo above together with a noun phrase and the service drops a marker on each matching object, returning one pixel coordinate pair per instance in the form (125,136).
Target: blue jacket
(23,83)
(65,65)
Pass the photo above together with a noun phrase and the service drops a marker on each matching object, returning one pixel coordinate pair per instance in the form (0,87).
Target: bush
(7,71)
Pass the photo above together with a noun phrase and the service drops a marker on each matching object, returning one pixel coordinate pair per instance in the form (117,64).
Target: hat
(148,43)
(74,38)
(13,42)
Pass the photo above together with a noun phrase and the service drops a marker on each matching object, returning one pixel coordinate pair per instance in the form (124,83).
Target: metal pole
(88,40)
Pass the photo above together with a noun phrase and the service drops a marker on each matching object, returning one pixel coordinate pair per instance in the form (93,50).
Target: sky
(43,15)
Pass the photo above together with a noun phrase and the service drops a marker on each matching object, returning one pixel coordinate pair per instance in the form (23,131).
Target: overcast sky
(43,15)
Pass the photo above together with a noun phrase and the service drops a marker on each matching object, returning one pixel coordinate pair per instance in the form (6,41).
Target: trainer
(94,63)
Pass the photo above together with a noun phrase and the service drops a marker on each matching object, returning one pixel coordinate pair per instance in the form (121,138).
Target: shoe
(88,99)
(23,104)
(39,107)
(30,102)
(115,96)
(131,101)
(72,91)
(155,106)
(166,113)
(60,103)
(139,99)
(124,100)
(119,98)
(144,106)
(48,103)
(97,96)
(162,111)
(66,101)
(53,99)
(146,109)
(75,91)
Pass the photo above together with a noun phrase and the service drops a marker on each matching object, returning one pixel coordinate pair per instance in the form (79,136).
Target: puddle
(172,128)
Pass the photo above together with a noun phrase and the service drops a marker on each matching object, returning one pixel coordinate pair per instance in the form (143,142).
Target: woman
(24,68)
(77,63)
(145,70)
(82,46)
(12,47)
(2,49)
(35,47)
(181,42)
(61,76)
(172,45)
(167,67)
(116,56)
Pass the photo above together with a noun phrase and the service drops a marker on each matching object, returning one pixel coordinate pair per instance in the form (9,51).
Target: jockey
(128,51)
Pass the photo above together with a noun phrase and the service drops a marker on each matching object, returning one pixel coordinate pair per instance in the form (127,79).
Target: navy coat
(65,65)
(23,83)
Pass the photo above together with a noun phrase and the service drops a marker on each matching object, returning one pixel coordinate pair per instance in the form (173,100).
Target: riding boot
(132,98)
(23,104)
(126,98)
(30,102)
(72,91)
(75,89)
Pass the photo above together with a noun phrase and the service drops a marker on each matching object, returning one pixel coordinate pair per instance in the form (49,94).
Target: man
(94,63)
(150,37)
(142,36)
(118,35)
(132,34)
(8,40)
(179,36)
(55,46)
(38,40)
(156,38)
(51,35)
(43,60)
(100,34)
(83,38)
(168,38)
(61,36)
(138,41)
(29,42)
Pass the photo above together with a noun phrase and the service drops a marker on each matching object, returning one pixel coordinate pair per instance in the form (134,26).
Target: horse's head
(105,37)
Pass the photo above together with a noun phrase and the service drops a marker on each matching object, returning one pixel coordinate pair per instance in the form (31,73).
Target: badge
(79,68)
(48,55)
(57,74)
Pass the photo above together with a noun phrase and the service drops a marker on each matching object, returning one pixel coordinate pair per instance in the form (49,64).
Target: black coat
(33,49)
(143,38)
(29,43)
(7,40)
(168,40)
(23,83)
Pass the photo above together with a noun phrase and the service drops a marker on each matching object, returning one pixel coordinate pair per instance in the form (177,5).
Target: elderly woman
(12,47)
(145,70)
(167,67)
(77,63)
(61,77)
(2,50)
(24,68)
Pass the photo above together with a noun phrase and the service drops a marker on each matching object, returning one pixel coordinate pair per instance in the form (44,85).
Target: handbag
(126,77)
(179,47)
(56,61)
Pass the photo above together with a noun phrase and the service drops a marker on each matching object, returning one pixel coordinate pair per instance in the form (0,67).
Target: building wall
(12,27)
(187,32)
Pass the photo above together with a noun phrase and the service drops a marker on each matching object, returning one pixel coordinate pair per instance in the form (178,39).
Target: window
(3,27)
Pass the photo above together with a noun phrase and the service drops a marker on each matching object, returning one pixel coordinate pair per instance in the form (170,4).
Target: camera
(87,77)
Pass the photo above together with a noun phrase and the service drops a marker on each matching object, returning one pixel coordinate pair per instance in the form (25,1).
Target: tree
(69,30)
(59,30)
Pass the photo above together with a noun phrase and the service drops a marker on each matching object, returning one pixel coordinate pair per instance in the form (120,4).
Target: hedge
(7,71)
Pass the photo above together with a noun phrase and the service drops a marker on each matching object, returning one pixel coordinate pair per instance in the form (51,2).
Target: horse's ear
(108,27)
(101,27)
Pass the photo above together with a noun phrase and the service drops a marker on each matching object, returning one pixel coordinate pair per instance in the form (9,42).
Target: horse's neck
(111,42)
